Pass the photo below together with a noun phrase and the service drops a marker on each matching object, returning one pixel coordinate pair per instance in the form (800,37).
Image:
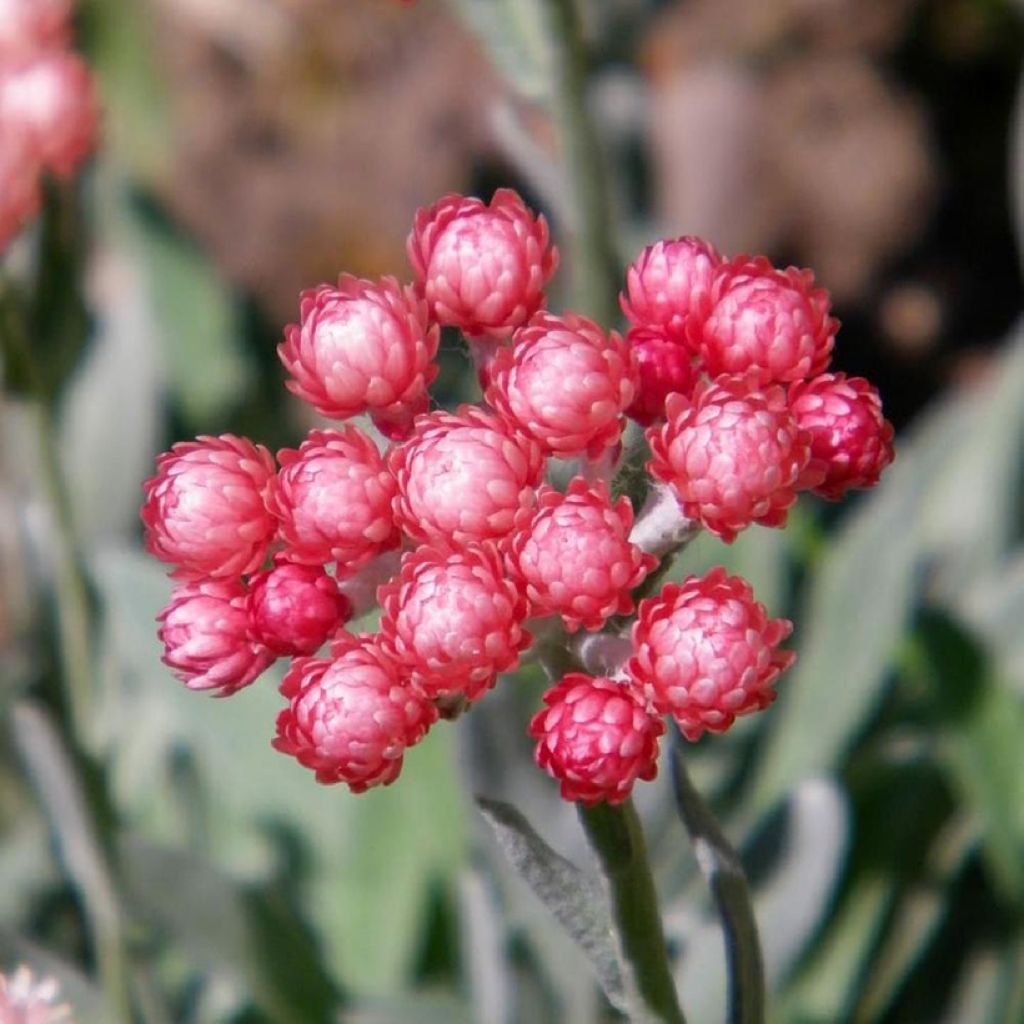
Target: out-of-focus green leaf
(222,927)
(574,898)
(991,988)
(418,1008)
(367,897)
(858,603)
(809,836)
(515,34)
(983,723)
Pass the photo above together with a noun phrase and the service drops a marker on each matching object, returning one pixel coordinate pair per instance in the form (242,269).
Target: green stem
(616,836)
(595,266)
(721,867)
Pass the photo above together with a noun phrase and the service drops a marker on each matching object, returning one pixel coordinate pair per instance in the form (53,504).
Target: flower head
(573,555)
(565,382)
(767,324)
(23,1000)
(363,346)
(668,288)
(851,441)
(706,652)
(482,266)
(596,738)
(205,511)
(733,455)
(463,476)
(664,368)
(452,621)
(332,499)
(349,717)
(205,633)
(27,26)
(294,608)
(49,99)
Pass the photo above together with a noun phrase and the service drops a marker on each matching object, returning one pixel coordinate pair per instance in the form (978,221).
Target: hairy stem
(721,867)
(616,836)
(595,266)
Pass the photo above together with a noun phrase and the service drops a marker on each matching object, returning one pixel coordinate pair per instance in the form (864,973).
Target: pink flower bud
(294,608)
(27,26)
(349,717)
(572,553)
(204,631)
(462,477)
(565,383)
(664,368)
(19,188)
(49,99)
(204,510)
(482,266)
(706,652)
(734,456)
(668,288)
(332,498)
(767,324)
(596,738)
(452,621)
(362,347)
(851,441)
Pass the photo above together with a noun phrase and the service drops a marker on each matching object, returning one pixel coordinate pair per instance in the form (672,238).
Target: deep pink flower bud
(596,738)
(27,26)
(206,641)
(205,511)
(349,717)
(851,441)
(573,555)
(332,498)
(452,621)
(664,368)
(49,99)
(767,324)
(362,347)
(565,383)
(668,288)
(482,266)
(706,652)
(19,188)
(294,608)
(733,456)
(463,476)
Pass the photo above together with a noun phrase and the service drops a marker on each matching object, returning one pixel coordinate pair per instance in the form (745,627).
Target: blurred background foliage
(255,147)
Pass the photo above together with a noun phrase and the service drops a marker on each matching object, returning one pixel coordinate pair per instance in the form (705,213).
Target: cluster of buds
(447,520)
(27,1000)
(48,106)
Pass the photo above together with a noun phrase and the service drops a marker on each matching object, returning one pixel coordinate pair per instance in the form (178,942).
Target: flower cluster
(447,521)
(24,1000)
(48,106)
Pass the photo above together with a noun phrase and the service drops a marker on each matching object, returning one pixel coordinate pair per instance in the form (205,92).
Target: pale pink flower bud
(668,288)
(49,100)
(205,511)
(706,652)
(293,609)
(349,717)
(362,347)
(30,25)
(332,498)
(452,621)
(596,738)
(482,266)
(851,441)
(767,324)
(572,553)
(664,368)
(23,999)
(565,383)
(734,456)
(463,476)
(205,633)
